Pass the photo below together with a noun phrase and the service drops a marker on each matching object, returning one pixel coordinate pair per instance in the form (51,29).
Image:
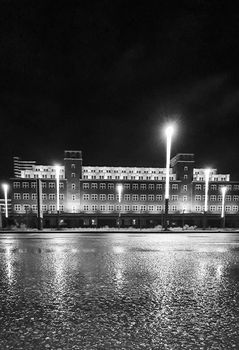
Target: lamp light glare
(169,130)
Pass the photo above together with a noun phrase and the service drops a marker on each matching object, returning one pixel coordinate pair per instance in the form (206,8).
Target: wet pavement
(119,291)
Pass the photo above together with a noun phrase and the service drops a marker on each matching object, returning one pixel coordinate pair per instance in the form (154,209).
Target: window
(127,207)
(33,184)
(159,208)
(151,186)
(235,198)
(61,196)
(159,197)
(185,177)
(73,197)
(34,196)
(94,197)
(127,186)
(102,197)
(102,186)
(44,207)
(173,208)
(135,197)
(135,207)
(234,208)
(86,207)
(236,187)
(25,196)
(174,197)
(228,198)
(52,196)
(51,184)
(227,208)
(151,208)
(52,207)
(86,185)
(73,186)
(26,208)
(111,197)
(73,166)
(219,208)
(118,208)
(213,187)
(229,187)
(61,207)
(127,197)
(213,208)
(135,187)
(185,188)
(43,184)
(110,207)
(198,187)
(142,208)
(17,196)
(198,208)
(34,207)
(185,168)
(185,198)
(110,186)
(159,186)
(73,174)
(86,196)
(44,196)
(213,198)
(61,184)
(102,207)
(25,184)
(143,186)
(198,197)
(174,186)
(17,207)
(94,185)
(16,185)
(219,198)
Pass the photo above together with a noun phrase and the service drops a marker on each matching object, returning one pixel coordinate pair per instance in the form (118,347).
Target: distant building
(90,192)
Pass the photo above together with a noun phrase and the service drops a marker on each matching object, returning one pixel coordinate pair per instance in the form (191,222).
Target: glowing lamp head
(5,187)
(169,130)
(224,190)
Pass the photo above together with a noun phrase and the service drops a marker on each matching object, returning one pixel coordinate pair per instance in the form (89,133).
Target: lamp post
(57,167)
(223,190)
(119,190)
(5,190)
(169,132)
(206,175)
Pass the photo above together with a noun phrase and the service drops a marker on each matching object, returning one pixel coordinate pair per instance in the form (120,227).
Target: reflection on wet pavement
(119,291)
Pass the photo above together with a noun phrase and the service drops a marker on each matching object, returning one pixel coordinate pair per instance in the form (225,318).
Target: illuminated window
(86,185)
(61,196)
(198,187)
(127,207)
(151,186)
(111,197)
(17,207)
(213,198)
(135,197)
(94,196)
(219,198)
(25,196)
(17,196)
(86,207)
(33,184)
(219,208)
(52,196)
(143,208)
(118,207)
(73,186)
(16,184)
(198,197)
(159,186)
(135,207)
(102,186)
(198,208)
(94,185)
(102,197)
(234,208)
(143,186)
(52,207)
(86,196)
(102,207)
(228,198)
(159,208)
(135,187)
(25,184)
(34,196)
(44,196)
(159,197)
(174,197)
(143,197)
(212,208)
(151,197)
(173,208)
(227,208)
(110,207)
(51,184)
(151,208)
(127,197)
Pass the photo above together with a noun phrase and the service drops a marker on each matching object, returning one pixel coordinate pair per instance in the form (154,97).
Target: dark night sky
(105,76)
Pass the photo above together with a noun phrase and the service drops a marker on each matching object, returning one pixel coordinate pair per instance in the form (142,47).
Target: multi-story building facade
(90,193)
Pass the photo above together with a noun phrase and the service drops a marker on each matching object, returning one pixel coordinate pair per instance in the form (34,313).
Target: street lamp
(5,190)
(119,190)
(169,133)
(206,175)
(57,168)
(223,190)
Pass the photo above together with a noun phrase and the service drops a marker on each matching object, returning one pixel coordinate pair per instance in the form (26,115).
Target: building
(88,195)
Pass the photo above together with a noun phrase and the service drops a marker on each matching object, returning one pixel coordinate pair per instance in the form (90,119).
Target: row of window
(213,198)
(127,186)
(218,208)
(33,196)
(127,177)
(128,197)
(33,184)
(214,187)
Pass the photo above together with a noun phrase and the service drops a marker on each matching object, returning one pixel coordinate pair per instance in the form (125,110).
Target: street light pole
(5,190)
(207,174)
(57,167)
(169,133)
(224,190)
(120,190)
